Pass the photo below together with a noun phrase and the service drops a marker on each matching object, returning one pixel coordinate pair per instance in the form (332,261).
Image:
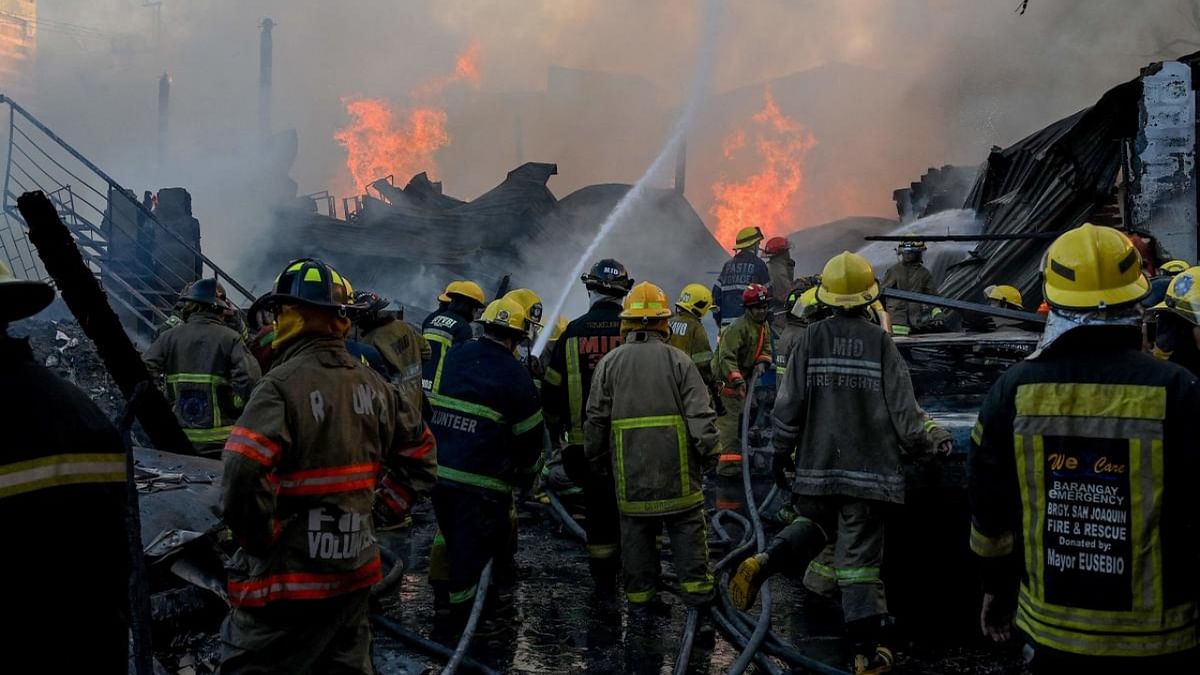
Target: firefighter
(847,404)
(782,269)
(909,275)
(1081,477)
(449,326)
(565,390)
(402,347)
(1161,279)
(488,423)
(744,346)
(206,367)
(804,310)
(687,330)
(531,303)
(1004,297)
(62,465)
(743,269)
(650,421)
(300,470)
(1177,321)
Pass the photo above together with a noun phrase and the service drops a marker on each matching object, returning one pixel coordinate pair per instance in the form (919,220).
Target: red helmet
(776,245)
(754,295)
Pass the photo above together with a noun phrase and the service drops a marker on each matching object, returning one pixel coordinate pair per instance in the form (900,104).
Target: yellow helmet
(805,304)
(532,304)
(695,298)
(1008,294)
(505,313)
(559,327)
(1183,295)
(1093,267)
(1173,267)
(646,301)
(463,289)
(847,281)
(21,298)
(747,237)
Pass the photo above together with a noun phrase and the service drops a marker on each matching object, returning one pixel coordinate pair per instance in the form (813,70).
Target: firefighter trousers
(299,636)
(729,463)
(689,547)
(601,522)
(476,527)
(854,528)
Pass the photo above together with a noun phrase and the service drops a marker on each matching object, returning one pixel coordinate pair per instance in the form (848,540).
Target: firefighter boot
(879,662)
(750,575)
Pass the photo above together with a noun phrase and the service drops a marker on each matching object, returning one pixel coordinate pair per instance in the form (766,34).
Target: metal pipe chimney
(164,100)
(264,77)
(681,167)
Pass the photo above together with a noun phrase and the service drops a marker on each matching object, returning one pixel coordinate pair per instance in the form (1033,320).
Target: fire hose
(425,646)
(464,642)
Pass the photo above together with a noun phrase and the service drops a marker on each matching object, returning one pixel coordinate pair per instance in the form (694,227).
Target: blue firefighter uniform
(739,272)
(487,420)
(442,330)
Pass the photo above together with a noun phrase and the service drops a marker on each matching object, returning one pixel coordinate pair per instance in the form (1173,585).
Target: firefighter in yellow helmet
(1177,321)
(300,473)
(687,331)
(449,326)
(1080,479)
(488,423)
(743,269)
(846,404)
(531,303)
(648,405)
(1004,297)
(803,309)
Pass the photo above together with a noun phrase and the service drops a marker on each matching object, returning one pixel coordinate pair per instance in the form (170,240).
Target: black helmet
(609,277)
(309,281)
(371,301)
(206,292)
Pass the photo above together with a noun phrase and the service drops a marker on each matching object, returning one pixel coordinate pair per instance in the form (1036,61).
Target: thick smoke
(888,88)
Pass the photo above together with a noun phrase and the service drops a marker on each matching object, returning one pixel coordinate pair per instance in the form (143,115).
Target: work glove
(735,386)
(942,439)
(764,363)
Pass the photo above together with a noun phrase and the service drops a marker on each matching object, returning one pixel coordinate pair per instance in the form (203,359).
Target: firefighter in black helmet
(565,390)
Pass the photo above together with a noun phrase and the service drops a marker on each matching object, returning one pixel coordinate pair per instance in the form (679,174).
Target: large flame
(771,196)
(382,141)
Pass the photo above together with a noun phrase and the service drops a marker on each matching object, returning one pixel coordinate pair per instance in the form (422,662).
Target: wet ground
(563,626)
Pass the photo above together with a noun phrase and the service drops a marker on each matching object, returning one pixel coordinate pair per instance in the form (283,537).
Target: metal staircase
(143,252)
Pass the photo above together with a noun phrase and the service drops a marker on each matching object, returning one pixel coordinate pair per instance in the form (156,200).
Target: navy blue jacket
(737,274)
(442,330)
(487,419)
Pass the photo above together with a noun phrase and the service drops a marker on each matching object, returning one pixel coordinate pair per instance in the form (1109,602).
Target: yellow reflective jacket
(649,414)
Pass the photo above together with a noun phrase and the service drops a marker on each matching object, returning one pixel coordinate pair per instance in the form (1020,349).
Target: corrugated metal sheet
(1049,181)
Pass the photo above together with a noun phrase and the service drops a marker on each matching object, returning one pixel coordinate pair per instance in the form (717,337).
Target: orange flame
(380,141)
(770,197)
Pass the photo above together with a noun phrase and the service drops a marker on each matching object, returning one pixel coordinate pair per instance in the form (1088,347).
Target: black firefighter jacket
(569,378)
(847,402)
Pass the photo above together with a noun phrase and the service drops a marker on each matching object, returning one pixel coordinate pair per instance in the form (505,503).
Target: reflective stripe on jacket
(1081,475)
(487,419)
(846,402)
(442,330)
(688,334)
(650,410)
(301,467)
(569,378)
(208,372)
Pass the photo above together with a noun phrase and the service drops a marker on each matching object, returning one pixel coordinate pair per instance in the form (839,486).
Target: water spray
(633,198)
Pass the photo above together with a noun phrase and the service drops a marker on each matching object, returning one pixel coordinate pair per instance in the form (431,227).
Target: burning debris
(769,198)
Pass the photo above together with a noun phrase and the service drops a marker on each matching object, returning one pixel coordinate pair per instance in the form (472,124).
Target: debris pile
(62,347)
